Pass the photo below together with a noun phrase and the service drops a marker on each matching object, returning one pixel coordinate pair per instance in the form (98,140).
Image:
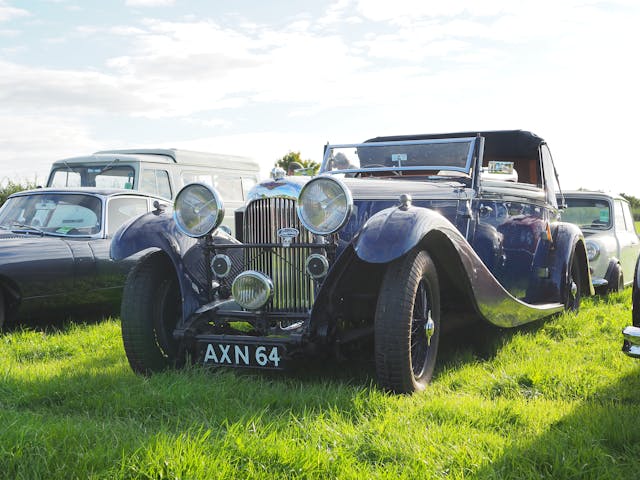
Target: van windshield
(94,175)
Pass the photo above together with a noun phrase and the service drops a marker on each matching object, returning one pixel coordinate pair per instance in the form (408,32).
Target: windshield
(95,175)
(55,213)
(449,157)
(587,213)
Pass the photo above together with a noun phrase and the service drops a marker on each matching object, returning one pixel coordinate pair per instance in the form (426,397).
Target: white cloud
(8,13)
(149,3)
(39,89)
(30,143)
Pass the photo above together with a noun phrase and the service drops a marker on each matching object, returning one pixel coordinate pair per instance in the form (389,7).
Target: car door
(627,238)
(42,267)
(512,217)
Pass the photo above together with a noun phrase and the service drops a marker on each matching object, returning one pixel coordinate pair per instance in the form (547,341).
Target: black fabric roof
(498,143)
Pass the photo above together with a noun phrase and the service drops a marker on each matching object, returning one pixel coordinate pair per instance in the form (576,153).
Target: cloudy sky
(263,78)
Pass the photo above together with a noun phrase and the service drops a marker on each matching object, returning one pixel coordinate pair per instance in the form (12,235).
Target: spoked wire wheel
(407,324)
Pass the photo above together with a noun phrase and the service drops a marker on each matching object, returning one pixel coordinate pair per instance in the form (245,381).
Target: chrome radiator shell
(285,265)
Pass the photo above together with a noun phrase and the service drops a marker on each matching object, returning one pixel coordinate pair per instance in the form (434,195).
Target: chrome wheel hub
(574,288)
(429,328)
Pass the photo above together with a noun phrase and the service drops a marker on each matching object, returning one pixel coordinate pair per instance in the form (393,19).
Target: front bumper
(631,345)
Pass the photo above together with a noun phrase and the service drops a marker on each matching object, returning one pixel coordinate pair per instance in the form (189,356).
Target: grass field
(556,399)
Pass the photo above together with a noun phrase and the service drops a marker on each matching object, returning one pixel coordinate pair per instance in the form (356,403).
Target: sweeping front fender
(392,232)
(150,231)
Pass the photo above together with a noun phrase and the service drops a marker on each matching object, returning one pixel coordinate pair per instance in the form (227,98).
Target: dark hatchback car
(398,240)
(54,251)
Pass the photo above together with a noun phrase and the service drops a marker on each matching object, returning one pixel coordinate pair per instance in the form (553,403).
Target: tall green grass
(556,399)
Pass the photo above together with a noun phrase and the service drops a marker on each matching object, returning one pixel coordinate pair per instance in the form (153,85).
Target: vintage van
(161,172)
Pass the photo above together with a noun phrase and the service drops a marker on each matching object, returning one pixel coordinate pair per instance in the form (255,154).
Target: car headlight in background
(324,205)
(198,210)
(593,250)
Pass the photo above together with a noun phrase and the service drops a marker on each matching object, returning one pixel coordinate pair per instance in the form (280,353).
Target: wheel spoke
(419,323)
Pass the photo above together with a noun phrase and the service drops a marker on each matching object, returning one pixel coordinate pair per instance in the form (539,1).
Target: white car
(612,241)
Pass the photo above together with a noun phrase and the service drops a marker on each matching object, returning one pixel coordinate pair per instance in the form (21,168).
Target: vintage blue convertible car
(54,251)
(397,240)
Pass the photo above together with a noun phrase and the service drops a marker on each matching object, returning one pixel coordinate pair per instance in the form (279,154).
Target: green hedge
(12,187)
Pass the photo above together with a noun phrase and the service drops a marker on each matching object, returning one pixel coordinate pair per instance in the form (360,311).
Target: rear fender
(568,240)
(393,232)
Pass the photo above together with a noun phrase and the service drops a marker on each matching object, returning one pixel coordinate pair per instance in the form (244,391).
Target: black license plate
(233,354)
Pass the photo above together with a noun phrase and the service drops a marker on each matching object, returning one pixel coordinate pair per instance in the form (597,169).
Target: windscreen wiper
(25,227)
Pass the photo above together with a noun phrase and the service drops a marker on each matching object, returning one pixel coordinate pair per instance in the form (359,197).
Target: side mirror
(159,207)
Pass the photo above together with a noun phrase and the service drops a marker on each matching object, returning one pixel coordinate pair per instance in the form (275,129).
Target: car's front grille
(293,288)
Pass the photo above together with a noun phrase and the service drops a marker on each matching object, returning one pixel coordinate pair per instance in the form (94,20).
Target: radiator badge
(287,235)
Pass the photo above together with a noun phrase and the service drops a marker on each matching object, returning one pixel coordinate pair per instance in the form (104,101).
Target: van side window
(199,177)
(229,187)
(156,182)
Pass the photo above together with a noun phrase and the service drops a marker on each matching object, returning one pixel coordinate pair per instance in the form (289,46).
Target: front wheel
(151,309)
(407,324)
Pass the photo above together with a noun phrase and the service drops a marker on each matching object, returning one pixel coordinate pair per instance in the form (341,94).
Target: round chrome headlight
(593,250)
(252,289)
(324,205)
(198,210)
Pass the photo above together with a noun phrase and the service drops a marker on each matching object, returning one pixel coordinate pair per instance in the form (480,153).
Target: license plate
(232,354)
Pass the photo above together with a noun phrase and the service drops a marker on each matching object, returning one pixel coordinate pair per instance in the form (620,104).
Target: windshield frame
(467,169)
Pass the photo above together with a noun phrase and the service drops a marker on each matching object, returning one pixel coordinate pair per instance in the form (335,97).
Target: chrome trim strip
(631,345)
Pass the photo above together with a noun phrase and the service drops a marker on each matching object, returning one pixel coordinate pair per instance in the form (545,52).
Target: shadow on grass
(309,382)
(59,322)
(600,439)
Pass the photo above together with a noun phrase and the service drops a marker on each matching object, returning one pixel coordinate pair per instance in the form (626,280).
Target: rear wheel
(407,324)
(151,309)
(573,286)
